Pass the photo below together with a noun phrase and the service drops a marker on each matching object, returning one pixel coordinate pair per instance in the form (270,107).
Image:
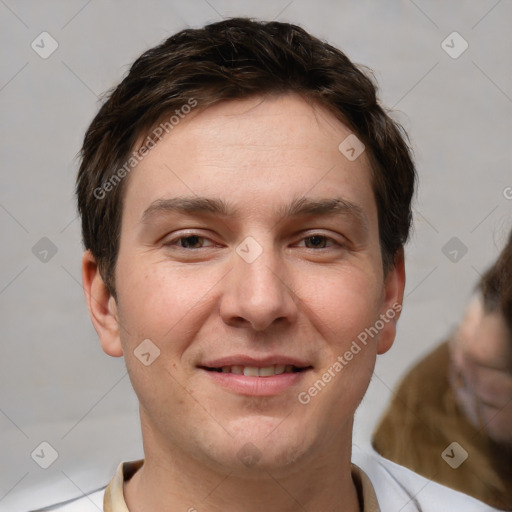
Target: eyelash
(172,243)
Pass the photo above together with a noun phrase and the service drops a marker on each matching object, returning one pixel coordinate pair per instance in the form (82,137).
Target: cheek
(162,305)
(348,302)
(158,301)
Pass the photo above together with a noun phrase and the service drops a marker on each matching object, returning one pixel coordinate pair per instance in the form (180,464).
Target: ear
(102,306)
(394,284)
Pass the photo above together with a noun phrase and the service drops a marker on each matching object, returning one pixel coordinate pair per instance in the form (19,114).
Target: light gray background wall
(56,385)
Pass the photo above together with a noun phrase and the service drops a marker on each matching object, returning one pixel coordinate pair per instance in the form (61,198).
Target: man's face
(482,355)
(224,294)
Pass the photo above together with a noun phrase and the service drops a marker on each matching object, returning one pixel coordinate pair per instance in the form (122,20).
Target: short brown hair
(233,59)
(496,286)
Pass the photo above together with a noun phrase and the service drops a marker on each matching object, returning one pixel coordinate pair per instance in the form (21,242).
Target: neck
(171,480)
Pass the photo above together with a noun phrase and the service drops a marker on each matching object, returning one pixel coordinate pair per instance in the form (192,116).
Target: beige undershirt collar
(113,500)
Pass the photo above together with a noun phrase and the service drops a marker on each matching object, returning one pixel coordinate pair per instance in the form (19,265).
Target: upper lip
(258,362)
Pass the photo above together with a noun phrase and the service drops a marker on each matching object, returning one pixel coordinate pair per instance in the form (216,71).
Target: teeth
(267,371)
(253,371)
(279,369)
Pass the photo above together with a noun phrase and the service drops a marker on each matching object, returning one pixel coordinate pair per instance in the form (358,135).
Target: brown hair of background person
(217,63)
(496,286)
(462,392)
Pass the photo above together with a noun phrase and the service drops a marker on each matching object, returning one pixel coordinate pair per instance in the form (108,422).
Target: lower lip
(257,386)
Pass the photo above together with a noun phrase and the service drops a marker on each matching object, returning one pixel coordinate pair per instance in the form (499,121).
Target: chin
(277,459)
(262,445)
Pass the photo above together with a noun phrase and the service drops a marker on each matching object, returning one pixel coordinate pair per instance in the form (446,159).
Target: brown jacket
(424,419)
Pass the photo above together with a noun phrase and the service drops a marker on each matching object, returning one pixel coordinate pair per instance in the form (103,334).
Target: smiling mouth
(254,371)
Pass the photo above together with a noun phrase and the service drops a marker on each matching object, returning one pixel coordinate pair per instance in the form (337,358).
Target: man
(462,392)
(245,202)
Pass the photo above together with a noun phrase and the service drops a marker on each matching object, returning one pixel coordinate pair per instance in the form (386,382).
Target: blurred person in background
(462,392)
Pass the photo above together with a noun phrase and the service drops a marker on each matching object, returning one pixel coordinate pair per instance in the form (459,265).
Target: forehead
(275,146)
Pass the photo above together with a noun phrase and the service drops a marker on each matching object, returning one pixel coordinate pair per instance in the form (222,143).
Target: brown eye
(316,241)
(190,242)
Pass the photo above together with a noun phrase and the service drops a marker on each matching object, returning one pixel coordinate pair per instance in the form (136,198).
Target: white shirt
(396,487)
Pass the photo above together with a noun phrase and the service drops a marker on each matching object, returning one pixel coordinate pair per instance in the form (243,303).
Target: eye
(190,242)
(319,241)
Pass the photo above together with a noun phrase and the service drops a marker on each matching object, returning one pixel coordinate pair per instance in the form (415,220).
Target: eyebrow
(299,207)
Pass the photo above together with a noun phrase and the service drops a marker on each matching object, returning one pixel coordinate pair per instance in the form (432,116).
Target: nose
(258,294)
